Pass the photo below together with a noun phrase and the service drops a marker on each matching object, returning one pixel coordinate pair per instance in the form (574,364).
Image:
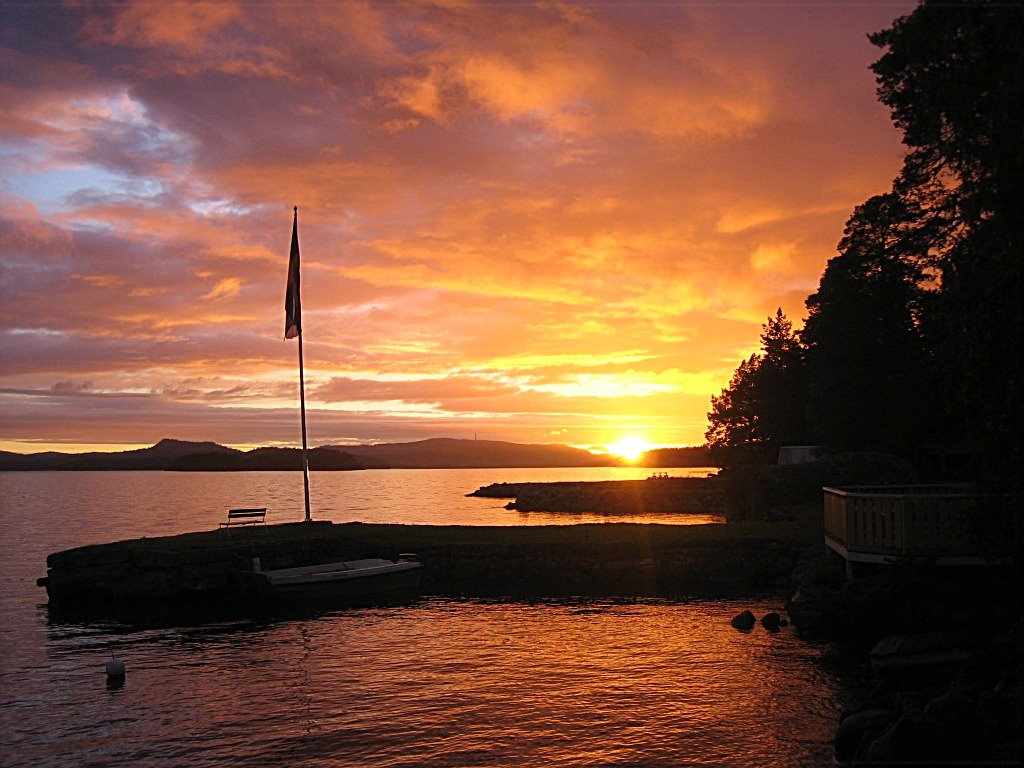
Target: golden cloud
(777,257)
(226,288)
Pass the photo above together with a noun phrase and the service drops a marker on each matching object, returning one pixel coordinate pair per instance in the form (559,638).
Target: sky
(540,222)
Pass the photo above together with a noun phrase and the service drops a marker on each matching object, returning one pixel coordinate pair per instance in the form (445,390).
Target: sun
(630,448)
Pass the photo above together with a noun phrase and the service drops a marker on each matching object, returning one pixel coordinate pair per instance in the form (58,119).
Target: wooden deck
(886,524)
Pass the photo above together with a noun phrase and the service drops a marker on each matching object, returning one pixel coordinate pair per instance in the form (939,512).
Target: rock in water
(744,621)
(771,621)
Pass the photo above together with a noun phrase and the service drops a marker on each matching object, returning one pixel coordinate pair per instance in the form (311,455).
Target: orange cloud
(580,74)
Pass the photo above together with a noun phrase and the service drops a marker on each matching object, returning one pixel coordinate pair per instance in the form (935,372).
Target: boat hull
(277,592)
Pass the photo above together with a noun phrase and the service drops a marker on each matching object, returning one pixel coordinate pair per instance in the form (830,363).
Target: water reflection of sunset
(539,223)
(455,683)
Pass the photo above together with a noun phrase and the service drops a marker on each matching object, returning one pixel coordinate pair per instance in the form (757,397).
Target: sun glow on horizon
(630,448)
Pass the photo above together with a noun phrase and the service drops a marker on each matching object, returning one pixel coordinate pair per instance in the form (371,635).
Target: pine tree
(762,408)
(864,350)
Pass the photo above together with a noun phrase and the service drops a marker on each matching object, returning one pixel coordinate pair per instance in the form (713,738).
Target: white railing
(902,521)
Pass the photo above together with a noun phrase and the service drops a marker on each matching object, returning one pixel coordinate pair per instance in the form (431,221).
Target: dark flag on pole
(292,304)
(293,328)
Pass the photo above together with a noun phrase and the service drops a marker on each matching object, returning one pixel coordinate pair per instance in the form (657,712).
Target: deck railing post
(900,539)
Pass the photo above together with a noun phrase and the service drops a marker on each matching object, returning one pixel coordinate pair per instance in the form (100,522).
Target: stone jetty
(655,495)
(604,560)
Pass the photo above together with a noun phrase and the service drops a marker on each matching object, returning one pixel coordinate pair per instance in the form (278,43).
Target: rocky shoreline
(952,709)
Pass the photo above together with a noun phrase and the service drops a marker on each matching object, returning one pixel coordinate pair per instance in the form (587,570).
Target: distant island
(437,453)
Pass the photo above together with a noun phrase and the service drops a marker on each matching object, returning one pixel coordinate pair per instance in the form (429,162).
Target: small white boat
(371,579)
(326,573)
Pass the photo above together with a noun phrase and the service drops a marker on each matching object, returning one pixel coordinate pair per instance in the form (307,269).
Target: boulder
(852,730)
(771,621)
(812,624)
(744,621)
(911,701)
(816,597)
(818,611)
(880,701)
(896,742)
(914,738)
(952,708)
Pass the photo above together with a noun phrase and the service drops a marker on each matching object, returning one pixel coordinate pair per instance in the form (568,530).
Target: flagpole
(293,328)
(302,402)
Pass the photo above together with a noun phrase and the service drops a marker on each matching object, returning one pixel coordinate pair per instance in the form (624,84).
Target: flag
(292,304)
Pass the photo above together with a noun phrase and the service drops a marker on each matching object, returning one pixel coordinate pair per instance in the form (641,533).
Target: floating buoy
(115,668)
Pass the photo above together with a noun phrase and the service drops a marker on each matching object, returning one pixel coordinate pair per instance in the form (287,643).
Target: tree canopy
(951,74)
(915,329)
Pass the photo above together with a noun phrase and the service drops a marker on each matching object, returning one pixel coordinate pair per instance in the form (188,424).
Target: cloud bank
(548,221)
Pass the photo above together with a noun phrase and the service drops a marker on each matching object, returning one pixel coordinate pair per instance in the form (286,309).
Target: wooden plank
(889,644)
(922,659)
(920,649)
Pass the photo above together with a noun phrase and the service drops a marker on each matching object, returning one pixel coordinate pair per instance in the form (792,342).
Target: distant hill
(447,453)
(163,455)
(181,455)
(268,459)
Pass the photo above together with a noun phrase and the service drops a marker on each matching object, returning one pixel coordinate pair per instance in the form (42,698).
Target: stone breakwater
(680,495)
(603,560)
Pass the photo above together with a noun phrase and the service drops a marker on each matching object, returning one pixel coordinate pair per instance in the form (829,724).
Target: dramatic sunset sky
(547,222)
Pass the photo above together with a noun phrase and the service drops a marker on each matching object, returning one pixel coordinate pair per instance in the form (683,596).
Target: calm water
(441,683)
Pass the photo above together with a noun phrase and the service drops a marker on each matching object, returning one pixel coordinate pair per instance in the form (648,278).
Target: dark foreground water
(440,683)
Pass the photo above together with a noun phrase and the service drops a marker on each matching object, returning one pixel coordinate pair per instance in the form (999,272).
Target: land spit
(600,561)
(657,494)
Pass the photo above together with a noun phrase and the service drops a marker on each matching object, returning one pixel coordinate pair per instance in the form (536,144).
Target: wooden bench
(248,516)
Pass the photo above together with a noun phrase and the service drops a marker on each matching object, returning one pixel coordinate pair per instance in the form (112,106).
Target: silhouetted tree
(762,408)
(864,349)
(733,434)
(951,74)
(916,323)
(781,385)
